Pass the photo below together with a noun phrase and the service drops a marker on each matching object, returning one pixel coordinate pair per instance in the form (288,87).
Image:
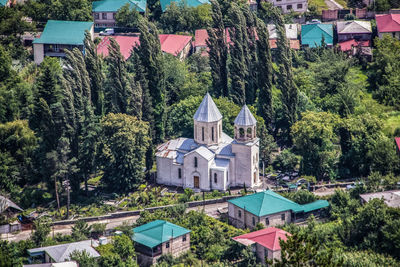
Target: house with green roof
(188,3)
(312,34)
(104,11)
(59,35)
(157,238)
(269,209)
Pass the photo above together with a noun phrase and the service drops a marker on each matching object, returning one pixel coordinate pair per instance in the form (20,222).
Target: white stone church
(212,160)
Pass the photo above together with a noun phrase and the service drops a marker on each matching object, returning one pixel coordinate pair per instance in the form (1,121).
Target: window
(249,133)
(167,245)
(179,173)
(202,133)
(215,178)
(299,6)
(104,15)
(266,221)
(289,7)
(56,48)
(96,15)
(241,132)
(195,162)
(239,213)
(254,221)
(212,133)
(283,217)
(184,238)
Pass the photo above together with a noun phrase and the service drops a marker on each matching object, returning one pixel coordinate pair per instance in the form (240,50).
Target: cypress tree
(265,70)
(289,91)
(94,69)
(238,66)
(218,52)
(151,59)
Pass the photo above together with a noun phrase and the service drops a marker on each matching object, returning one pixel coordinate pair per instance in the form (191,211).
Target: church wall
(221,180)
(202,170)
(167,172)
(243,164)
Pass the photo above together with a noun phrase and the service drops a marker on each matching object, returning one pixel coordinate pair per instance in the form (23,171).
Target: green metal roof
(311,34)
(157,232)
(189,3)
(316,205)
(114,5)
(64,32)
(269,202)
(265,203)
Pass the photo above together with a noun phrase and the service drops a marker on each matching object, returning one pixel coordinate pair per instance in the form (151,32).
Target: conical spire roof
(207,111)
(245,118)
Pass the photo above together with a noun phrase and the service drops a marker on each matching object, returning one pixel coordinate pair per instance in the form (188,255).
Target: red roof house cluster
(350,44)
(388,23)
(177,45)
(268,238)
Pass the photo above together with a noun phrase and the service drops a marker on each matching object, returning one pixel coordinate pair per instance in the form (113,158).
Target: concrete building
(61,253)
(355,29)
(264,243)
(212,160)
(269,209)
(159,238)
(104,11)
(287,6)
(60,35)
(388,24)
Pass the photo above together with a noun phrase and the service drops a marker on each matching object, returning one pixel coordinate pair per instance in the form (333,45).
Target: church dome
(245,118)
(207,111)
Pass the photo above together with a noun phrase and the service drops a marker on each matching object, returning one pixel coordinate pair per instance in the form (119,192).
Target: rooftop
(388,22)
(157,232)
(294,44)
(291,31)
(60,253)
(245,118)
(397,140)
(114,5)
(170,43)
(391,198)
(348,45)
(64,32)
(189,3)
(311,34)
(54,264)
(269,202)
(207,111)
(354,26)
(268,238)
(5,203)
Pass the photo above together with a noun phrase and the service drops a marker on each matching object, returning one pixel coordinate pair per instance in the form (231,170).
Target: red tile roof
(268,238)
(397,139)
(388,22)
(294,44)
(348,45)
(201,37)
(170,43)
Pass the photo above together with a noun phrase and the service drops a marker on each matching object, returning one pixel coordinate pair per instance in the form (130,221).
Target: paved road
(332,4)
(211,210)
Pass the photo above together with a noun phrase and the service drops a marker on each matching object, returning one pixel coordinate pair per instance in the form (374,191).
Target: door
(196,181)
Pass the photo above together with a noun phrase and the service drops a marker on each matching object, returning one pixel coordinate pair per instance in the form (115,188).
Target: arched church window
(215,178)
(202,133)
(212,134)
(195,162)
(249,133)
(241,132)
(179,173)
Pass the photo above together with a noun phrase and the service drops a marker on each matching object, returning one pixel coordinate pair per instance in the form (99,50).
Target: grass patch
(392,122)
(320,4)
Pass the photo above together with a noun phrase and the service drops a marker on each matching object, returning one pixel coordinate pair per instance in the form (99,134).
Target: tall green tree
(218,52)
(265,72)
(123,145)
(238,68)
(153,79)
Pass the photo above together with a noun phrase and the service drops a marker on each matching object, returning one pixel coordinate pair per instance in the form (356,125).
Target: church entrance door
(196,181)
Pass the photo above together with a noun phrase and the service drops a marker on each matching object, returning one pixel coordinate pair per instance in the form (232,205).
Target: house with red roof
(388,24)
(176,45)
(200,39)
(397,140)
(265,242)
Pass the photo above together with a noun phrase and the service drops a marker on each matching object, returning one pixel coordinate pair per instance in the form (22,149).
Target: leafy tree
(286,161)
(123,246)
(41,231)
(83,258)
(81,230)
(218,52)
(127,17)
(314,137)
(124,142)
(301,196)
